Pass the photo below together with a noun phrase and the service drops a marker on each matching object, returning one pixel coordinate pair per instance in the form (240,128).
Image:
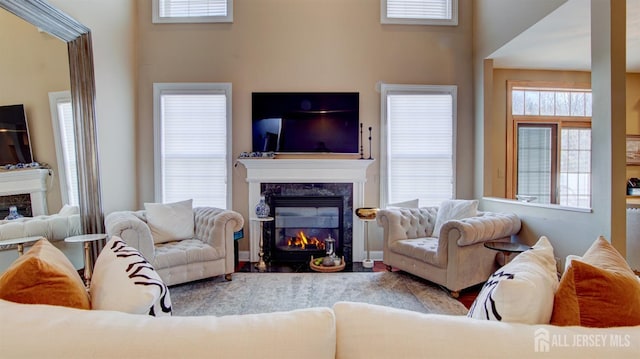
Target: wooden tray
(327,269)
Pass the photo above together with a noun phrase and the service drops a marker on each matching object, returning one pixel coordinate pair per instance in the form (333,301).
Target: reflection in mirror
(33,64)
(549,143)
(78,39)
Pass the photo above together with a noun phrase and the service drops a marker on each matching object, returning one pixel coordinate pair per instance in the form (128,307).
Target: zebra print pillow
(521,291)
(123,280)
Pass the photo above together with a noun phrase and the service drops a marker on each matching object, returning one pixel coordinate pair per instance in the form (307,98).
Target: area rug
(250,293)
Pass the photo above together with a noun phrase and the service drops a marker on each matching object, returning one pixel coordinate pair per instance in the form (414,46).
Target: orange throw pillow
(600,290)
(44,275)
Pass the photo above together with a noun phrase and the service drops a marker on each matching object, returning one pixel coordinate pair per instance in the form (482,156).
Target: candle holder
(370,143)
(361,147)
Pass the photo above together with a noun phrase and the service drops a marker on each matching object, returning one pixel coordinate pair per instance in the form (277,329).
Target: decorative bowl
(367,212)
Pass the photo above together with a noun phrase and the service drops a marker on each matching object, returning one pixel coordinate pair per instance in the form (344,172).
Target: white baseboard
(243,256)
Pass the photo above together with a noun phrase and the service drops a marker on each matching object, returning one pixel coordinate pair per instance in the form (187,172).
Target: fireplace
(25,189)
(315,209)
(310,177)
(301,225)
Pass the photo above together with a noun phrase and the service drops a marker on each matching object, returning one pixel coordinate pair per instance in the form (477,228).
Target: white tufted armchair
(457,259)
(210,253)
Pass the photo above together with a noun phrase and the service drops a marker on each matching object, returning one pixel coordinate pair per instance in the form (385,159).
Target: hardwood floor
(466,297)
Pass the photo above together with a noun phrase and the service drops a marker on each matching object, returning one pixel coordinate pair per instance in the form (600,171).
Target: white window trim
(388,89)
(54,99)
(404,21)
(183,88)
(156,19)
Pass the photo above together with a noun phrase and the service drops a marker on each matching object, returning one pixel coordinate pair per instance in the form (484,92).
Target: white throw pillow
(170,221)
(454,209)
(521,291)
(124,281)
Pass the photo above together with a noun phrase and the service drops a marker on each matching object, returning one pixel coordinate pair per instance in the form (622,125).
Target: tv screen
(14,136)
(309,122)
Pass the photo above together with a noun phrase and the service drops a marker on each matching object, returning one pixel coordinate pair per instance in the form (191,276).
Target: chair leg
(389,268)
(228,277)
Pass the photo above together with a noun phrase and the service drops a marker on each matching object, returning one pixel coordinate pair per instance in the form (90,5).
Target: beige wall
(311,45)
(113,32)
(32,65)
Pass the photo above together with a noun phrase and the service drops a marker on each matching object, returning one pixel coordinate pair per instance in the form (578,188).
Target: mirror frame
(78,38)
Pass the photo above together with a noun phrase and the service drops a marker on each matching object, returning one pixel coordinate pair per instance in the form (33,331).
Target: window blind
(65,119)
(64,139)
(534,163)
(167,11)
(420,157)
(419,12)
(419,9)
(191,8)
(193,153)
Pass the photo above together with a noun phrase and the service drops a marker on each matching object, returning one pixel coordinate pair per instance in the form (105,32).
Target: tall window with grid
(550,144)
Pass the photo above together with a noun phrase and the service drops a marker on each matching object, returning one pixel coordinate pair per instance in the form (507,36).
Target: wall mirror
(78,38)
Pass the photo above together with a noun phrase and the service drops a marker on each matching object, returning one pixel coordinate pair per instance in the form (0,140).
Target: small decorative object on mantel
(269,154)
(262,208)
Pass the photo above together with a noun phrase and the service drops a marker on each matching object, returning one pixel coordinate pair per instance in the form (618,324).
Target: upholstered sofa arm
(406,223)
(216,225)
(132,229)
(486,226)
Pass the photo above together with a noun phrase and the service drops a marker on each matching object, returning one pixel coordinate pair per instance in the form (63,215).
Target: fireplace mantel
(306,171)
(31,181)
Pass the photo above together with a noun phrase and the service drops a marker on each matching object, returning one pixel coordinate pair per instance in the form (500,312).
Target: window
(184,11)
(549,144)
(419,12)
(418,142)
(64,138)
(192,131)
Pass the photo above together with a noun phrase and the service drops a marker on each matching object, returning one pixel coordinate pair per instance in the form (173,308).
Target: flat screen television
(305,122)
(15,146)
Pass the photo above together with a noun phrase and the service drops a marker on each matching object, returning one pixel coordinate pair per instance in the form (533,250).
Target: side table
(20,242)
(367,214)
(261,266)
(86,239)
(508,249)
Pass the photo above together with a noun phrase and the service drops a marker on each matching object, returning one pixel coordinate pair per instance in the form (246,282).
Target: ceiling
(566,34)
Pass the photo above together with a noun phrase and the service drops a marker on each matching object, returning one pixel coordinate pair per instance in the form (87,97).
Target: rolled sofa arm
(213,224)
(133,230)
(486,226)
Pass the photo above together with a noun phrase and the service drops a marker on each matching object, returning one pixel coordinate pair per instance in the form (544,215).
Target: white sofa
(346,331)
(55,228)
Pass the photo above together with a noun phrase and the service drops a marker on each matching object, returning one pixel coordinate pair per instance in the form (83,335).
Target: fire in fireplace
(302,241)
(302,224)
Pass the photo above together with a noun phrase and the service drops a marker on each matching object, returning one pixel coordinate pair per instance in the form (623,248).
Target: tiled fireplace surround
(308,176)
